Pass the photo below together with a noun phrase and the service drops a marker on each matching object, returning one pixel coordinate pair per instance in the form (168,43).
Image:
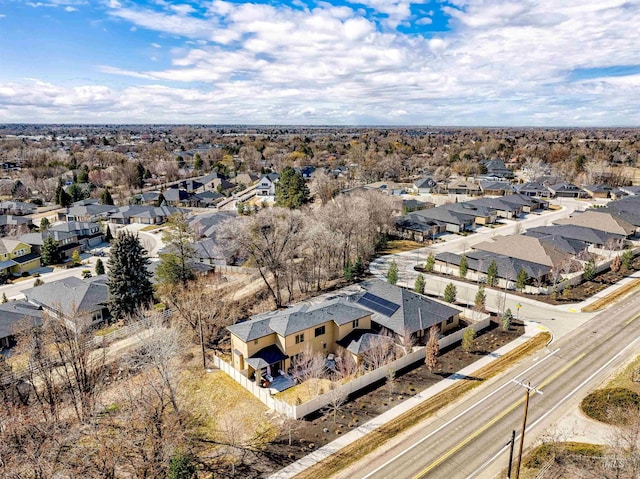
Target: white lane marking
(458,416)
(532,425)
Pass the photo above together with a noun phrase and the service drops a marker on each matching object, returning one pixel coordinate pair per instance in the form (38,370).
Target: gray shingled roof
(576,232)
(13,312)
(508,267)
(71,295)
(415,312)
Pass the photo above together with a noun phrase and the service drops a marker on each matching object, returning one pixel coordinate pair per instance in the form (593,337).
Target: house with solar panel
(269,344)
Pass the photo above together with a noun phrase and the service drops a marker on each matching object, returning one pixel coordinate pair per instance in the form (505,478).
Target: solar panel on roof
(378,304)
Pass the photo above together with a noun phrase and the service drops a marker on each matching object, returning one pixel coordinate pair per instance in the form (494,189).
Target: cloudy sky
(377,62)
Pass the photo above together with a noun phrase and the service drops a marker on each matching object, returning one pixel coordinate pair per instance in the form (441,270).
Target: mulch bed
(320,429)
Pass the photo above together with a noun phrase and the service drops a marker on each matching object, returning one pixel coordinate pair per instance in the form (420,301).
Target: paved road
(469,438)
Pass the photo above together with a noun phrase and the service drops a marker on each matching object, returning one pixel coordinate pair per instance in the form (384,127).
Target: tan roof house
(526,248)
(601,221)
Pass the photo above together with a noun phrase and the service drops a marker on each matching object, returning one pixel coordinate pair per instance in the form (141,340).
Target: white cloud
(70,9)
(502,62)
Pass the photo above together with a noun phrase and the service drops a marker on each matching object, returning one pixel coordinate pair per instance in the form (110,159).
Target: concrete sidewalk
(531,329)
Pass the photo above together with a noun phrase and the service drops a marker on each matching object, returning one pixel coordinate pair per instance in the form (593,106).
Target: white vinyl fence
(361,382)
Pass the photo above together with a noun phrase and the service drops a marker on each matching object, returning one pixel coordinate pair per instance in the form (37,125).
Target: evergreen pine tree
(4,298)
(50,252)
(44,224)
(129,280)
(492,273)
(392,274)
(431,262)
(464,266)
(106,197)
(197,162)
(419,286)
(107,234)
(521,279)
(291,190)
(481,298)
(99,267)
(358,267)
(62,197)
(450,293)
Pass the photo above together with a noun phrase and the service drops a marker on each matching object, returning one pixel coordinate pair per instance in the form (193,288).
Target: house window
(320,331)
(299,338)
(255,341)
(355,323)
(450,321)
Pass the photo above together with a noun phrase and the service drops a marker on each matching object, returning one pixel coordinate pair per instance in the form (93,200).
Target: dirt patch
(320,429)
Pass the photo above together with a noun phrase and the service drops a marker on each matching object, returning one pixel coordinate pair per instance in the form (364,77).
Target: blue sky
(390,62)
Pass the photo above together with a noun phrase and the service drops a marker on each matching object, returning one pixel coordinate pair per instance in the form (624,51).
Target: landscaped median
(612,297)
(363,446)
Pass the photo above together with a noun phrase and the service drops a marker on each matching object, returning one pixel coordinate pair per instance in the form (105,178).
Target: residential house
(495,188)
(87,234)
(424,186)
(17,208)
(12,314)
(534,189)
(148,215)
(70,298)
(147,198)
(176,197)
(503,209)
(67,242)
(451,221)
(481,215)
(245,179)
(206,225)
(400,312)
(580,234)
(275,340)
(389,187)
(206,199)
(418,228)
(267,185)
(463,187)
(16,257)
(11,224)
(600,220)
(529,204)
(566,190)
(598,191)
(478,261)
(497,168)
(87,213)
(526,248)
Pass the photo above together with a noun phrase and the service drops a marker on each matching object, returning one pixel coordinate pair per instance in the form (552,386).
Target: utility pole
(528,390)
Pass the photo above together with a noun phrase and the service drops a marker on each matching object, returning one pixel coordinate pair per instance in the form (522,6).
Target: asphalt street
(469,438)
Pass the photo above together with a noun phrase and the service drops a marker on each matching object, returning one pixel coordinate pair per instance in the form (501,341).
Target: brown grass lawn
(215,399)
(400,246)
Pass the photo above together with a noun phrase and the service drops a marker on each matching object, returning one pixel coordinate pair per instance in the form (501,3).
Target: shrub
(468,339)
(610,405)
